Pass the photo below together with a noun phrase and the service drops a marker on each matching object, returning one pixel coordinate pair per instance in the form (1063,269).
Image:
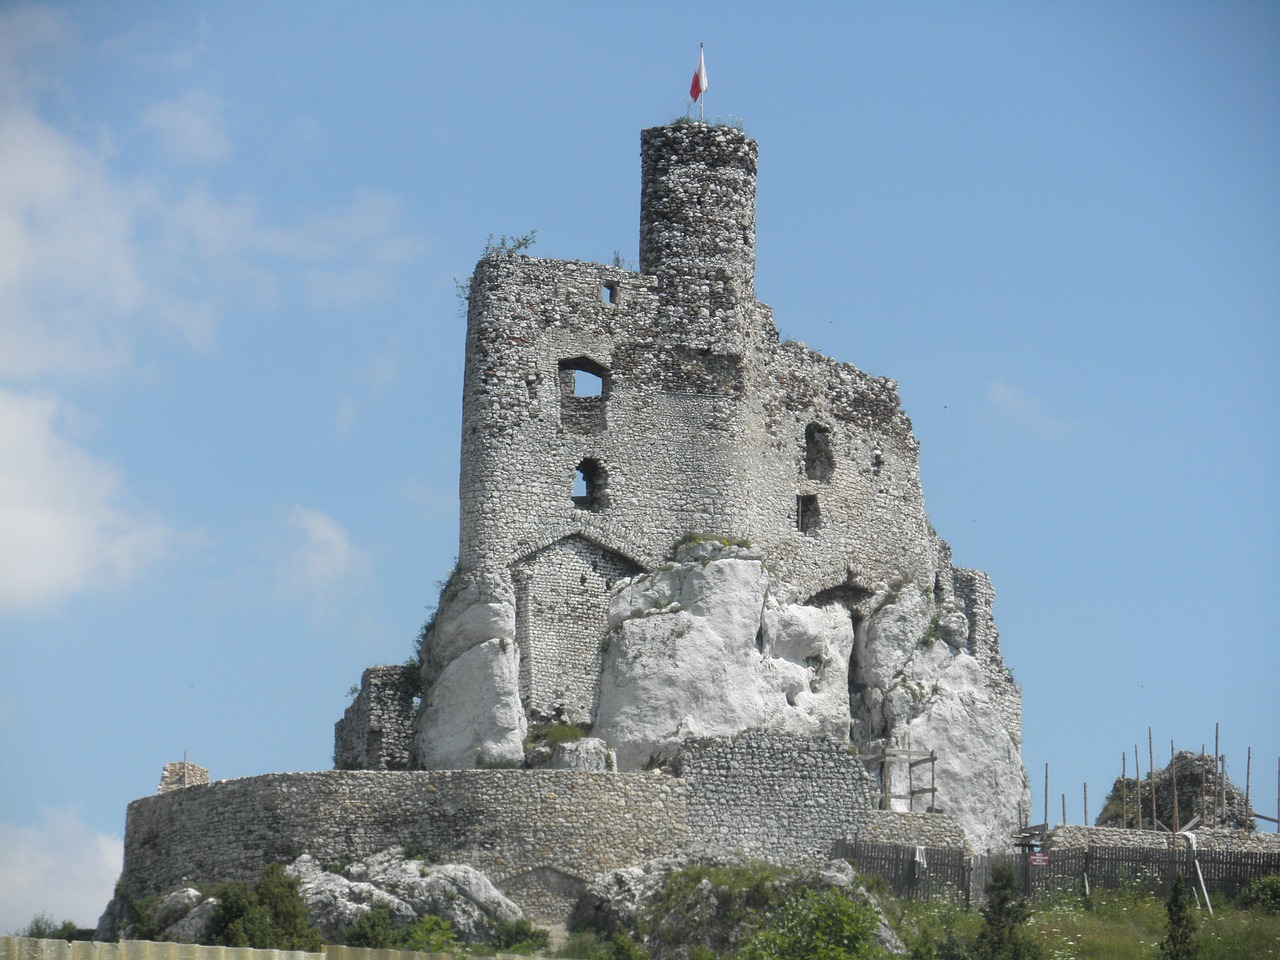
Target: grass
(1113,925)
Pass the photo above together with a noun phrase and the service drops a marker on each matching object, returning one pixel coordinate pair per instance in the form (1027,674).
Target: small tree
(1179,941)
(1004,935)
(269,915)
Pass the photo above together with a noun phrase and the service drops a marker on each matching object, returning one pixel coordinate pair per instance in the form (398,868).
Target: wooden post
(1064,809)
(1216,732)
(1173,778)
(1124,784)
(1046,796)
(1248,770)
(1203,758)
(933,781)
(1137,775)
(1151,775)
(1086,804)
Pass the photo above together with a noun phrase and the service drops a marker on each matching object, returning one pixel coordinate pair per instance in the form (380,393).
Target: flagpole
(702,100)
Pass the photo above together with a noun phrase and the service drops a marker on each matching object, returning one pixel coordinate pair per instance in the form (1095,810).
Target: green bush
(429,934)
(268,915)
(373,929)
(1262,893)
(519,936)
(44,927)
(815,925)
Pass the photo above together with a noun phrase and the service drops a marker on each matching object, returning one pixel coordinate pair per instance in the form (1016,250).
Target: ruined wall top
(698,204)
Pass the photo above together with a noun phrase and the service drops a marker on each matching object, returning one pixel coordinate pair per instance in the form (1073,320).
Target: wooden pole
(1248,770)
(1278,795)
(1086,804)
(1151,775)
(1046,796)
(1137,775)
(1203,758)
(1216,732)
(1124,784)
(1064,809)
(1173,779)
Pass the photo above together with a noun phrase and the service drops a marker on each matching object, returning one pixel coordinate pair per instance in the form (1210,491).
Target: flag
(699,85)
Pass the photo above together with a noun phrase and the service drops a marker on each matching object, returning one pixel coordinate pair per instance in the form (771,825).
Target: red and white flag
(699,85)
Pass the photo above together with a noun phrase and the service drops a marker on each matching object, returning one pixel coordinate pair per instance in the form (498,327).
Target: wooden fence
(922,873)
(23,948)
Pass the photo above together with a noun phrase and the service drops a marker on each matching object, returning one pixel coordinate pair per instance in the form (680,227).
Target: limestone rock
(613,900)
(190,927)
(460,894)
(472,715)
(700,649)
(471,612)
(914,687)
(588,754)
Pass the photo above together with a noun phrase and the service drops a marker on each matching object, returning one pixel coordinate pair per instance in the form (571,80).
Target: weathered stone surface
(694,654)
(589,753)
(1198,783)
(473,716)
(460,894)
(473,610)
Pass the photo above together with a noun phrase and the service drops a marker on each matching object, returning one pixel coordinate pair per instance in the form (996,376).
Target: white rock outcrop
(472,715)
(700,649)
(704,648)
(460,894)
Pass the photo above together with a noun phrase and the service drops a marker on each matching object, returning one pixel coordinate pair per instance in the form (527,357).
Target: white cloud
(94,260)
(60,866)
(1025,410)
(64,521)
(319,561)
(190,127)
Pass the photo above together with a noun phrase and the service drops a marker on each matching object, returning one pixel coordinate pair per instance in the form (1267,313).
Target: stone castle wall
(376,730)
(1068,836)
(777,798)
(539,835)
(701,422)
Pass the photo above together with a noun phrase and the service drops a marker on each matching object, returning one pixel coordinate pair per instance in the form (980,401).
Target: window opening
(587,384)
(819,461)
(807,516)
(589,485)
(609,293)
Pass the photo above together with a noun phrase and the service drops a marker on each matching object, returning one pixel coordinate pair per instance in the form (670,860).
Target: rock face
(704,648)
(471,712)
(458,893)
(699,649)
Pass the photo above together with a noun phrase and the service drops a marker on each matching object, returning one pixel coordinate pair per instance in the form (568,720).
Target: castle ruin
(704,548)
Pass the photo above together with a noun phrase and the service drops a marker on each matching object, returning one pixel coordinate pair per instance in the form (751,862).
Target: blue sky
(231,347)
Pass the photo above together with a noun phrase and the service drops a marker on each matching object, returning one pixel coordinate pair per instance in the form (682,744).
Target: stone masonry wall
(974,587)
(704,423)
(1068,836)
(178,776)
(784,799)
(913,829)
(539,835)
(376,731)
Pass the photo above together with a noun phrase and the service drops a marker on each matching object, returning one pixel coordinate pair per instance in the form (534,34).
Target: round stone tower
(698,204)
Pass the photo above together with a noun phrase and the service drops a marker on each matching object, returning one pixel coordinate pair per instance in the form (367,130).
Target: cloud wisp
(58,865)
(318,562)
(65,517)
(1026,412)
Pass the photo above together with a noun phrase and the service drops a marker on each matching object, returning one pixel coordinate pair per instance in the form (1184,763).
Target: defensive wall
(540,835)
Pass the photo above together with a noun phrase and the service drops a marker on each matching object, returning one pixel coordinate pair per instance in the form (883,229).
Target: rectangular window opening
(808,519)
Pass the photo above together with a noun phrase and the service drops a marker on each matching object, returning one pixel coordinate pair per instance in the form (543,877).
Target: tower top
(698,203)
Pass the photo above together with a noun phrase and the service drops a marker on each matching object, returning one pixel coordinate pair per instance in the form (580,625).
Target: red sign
(1038,859)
